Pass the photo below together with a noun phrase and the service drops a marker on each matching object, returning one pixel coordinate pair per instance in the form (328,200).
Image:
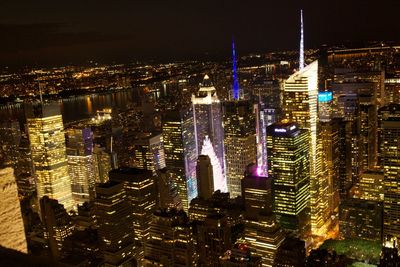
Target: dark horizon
(49,33)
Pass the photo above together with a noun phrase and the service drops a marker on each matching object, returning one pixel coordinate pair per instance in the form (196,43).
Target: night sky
(56,32)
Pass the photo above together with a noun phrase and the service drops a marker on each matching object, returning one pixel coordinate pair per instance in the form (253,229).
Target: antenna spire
(301,59)
(234,69)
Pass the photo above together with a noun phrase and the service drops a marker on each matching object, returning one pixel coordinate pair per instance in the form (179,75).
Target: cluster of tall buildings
(234,181)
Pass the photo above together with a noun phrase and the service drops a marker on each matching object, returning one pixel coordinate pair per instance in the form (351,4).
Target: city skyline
(48,33)
(286,158)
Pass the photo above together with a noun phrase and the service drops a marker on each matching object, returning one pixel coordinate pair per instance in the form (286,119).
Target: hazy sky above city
(61,32)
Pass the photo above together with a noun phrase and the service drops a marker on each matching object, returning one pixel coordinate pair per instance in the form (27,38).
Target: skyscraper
(207,118)
(12,233)
(329,138)
(262,234)
(114,215)
(81,165)
(181,152)
(57,223)
(256,193)
(240,142)
(141,193)
(204,175)
(167,190)
(102,164)
(390,153)
(46,135)
(149,152)
(9,143)
(288,152)
(300,104)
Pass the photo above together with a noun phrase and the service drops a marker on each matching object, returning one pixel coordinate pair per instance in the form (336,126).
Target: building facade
(47,140)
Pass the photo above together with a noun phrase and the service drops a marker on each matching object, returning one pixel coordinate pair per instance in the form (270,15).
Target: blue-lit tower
(234,69)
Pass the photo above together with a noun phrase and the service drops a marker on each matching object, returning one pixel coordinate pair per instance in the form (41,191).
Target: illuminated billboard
(325,97)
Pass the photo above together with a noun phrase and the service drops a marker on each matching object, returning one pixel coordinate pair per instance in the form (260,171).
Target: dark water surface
(76,108)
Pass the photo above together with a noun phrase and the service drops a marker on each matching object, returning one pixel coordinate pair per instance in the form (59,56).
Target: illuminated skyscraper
(368,132)
(288,162)
(300,103)
(102,164)
(46,135)
(141,193)
(114,215)
(390,153)
(329,138)
(149,152)
(171,240)
(263,119)
(181,152)
(240,142)
(12,233)
(81,165)
(207,118)
(262,234)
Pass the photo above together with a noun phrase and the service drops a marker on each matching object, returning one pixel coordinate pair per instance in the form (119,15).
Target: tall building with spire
(300,103)
(207,117)
(46,135)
